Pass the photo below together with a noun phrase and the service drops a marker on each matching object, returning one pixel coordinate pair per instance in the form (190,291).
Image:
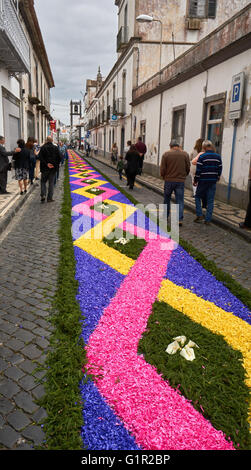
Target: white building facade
(202,46)
(25,74)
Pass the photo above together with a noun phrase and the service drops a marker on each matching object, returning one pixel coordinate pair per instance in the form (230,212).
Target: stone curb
(15,208)
(216,219)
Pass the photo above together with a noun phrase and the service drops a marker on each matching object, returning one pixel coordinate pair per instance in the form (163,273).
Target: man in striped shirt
(208,172)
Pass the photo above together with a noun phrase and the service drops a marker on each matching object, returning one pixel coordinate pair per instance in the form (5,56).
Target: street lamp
(150,19)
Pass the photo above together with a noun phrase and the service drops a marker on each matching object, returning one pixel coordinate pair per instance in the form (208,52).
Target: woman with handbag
(22,164)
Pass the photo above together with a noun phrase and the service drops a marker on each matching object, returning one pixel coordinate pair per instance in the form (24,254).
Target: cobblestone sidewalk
(28,264)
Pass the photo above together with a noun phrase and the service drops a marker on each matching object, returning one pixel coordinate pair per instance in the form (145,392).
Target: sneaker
(50,200)
(199,219)
(207,222)
(21,193)
(42,199)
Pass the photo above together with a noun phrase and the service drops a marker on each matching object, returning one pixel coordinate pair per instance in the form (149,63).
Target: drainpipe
(235,124)
(160,124)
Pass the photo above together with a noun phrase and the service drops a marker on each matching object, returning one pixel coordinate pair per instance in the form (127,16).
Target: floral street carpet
(129,404)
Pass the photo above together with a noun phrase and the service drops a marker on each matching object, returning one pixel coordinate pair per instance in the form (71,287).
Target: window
(202,8)
(214,123)
(36,75)
(178,127)
(143,131)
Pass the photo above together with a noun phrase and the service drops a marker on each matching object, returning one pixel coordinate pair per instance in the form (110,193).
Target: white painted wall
(12,85)
(192,93)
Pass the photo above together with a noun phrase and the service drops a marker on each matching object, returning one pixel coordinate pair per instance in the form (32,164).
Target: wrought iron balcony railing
(14,47)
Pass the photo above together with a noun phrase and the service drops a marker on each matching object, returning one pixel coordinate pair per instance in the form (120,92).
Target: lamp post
(150,19)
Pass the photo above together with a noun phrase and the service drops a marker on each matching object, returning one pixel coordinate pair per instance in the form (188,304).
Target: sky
(79,36)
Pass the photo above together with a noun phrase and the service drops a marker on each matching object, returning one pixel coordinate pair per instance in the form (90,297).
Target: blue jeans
(207,190)
(178,189)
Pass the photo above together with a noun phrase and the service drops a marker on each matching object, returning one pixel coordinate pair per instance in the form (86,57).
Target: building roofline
(228,40)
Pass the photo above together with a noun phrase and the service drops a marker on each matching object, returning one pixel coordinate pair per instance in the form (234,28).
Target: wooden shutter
(212,5)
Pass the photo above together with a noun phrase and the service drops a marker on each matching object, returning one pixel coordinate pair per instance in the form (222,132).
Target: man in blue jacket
(208,172)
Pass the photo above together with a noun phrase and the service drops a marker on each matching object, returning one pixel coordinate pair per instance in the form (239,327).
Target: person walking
(114,152)
(247,222)
(174,168)
(22,161)
(5,165)
(62,150)
(141,148)
(50,159)
(37,166)
(133,164)
(208,172)
(194,155)
(127,148)
(30,146)
(120,167)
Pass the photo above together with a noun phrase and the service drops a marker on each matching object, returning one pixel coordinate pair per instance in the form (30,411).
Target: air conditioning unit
(193,23)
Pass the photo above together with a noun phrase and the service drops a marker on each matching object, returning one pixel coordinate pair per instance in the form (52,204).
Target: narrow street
(125,232)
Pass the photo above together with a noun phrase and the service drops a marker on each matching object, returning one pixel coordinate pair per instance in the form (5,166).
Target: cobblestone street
(29,255)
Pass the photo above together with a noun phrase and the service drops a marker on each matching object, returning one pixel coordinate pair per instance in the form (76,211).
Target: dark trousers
(131,179)
(48,175)
(120,174)
(141,161)
(247,221)
(3,180)
(32,170)
(178,189)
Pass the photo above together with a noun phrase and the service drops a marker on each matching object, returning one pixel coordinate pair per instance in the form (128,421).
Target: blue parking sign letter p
(236,92)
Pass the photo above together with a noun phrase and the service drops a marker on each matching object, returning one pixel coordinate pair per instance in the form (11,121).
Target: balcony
(14,47)
(33,99)
(122,38)
(121,106)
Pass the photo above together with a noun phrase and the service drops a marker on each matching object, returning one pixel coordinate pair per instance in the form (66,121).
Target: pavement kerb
(15,208)
(189,206)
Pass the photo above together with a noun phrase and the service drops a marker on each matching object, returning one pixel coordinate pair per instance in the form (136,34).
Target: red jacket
(140,146)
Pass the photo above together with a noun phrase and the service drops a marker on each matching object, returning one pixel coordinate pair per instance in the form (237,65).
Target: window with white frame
(214,123)
(202,8)
(143,131)
(178,124)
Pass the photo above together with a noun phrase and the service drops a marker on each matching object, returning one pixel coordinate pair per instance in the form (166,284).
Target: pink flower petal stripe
(140,232)
(156,414)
